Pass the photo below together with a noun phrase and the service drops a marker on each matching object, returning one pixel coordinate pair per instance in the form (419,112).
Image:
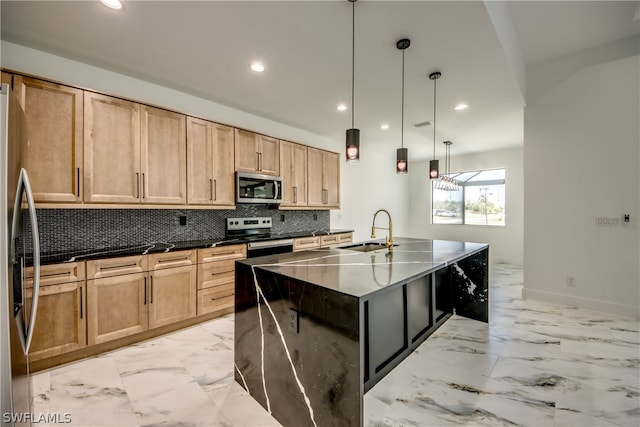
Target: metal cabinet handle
(137,185)
(143,185)
(257,161)
(215,190)
(78,182)
(295,194)
(151,294)
(81,303)
(210,189)
(145,291)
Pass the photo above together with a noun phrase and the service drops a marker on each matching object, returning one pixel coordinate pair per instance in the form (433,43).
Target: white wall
(365,187)
(582,161)
(506,243)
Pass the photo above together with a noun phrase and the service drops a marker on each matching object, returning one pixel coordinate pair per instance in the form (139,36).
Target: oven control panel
(248,223)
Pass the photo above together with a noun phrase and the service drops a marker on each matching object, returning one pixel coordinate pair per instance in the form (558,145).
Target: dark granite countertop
(363,273)
(155,247)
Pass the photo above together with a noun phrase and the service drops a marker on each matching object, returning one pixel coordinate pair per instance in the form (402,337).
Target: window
(479,201)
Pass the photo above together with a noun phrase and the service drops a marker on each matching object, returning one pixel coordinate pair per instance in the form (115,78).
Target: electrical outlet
(183,220)
(571,281)
(607,221)
(294,321)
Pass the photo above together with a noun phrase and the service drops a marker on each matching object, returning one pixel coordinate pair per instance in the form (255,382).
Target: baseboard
(581,302)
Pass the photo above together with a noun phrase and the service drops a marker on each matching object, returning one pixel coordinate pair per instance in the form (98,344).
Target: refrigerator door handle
(24,185)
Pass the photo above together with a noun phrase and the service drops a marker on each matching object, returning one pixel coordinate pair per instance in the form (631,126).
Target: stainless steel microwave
(256,188)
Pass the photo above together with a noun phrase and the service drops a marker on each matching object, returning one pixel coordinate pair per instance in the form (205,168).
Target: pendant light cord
(353,58)
(402,113)
(434,118)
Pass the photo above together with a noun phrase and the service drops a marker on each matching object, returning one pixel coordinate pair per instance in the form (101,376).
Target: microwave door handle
(277,188)
(24,185)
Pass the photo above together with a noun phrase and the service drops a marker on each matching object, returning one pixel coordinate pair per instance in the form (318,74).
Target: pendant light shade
(402,160)
(402,154)
(352,148)
(434,170)
(353,145)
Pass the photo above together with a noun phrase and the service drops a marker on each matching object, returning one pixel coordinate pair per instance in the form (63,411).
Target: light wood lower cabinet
(172,287)
(216,277)
(125,299)
(61,319)
(324,241)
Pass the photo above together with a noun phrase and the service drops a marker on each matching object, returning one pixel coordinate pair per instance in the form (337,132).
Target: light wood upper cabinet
(323,178)
(257,153)
(293,168)
(54,126)
(210,163)
(111,150)
(164,157)
(133,153)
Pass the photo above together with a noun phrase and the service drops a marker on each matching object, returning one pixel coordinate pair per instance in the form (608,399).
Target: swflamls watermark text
(43,417)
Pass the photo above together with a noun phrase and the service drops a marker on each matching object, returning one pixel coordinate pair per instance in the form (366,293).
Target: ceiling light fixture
(384,126)
(461,107)
(402,154)
(258,67)
(342,107)
(434,172)
(353,135)
(445,182)
(112,4)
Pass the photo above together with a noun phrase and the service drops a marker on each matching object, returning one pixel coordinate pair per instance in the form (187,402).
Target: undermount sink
(366,246)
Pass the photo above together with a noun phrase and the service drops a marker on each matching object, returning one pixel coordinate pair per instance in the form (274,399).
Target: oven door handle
(269,244)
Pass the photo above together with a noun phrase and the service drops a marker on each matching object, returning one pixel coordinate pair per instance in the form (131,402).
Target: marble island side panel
(308,324)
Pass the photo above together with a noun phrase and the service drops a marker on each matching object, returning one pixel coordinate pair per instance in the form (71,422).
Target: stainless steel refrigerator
(19,247)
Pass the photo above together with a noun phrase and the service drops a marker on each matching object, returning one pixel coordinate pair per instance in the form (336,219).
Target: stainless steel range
(257,232)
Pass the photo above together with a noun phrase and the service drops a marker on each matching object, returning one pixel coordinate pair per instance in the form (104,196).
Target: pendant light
(402,154)
(434,172)
(353,135)
(445,182)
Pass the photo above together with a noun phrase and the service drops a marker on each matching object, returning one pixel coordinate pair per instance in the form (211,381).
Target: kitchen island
(315,330)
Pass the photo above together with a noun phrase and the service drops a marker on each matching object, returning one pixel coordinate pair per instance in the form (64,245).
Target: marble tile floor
(535,364)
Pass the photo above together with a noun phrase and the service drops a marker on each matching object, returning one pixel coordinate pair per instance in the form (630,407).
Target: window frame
(469,183)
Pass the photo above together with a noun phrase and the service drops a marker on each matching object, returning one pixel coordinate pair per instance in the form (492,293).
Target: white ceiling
(204,48)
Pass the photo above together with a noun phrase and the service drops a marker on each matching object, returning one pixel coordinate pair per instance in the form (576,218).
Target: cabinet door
(293,169)
(269,159)
(61,320)
(247,151)
(172,295)
(315,192)
(199,162)
(117,306)
(54,124)
(223,160)
(111,150)
(163,156)
(331,179)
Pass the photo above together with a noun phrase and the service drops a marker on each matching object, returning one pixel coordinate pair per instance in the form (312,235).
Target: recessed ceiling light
(113,4)
(461,107)
(257,67)
(342,107)
(384,126)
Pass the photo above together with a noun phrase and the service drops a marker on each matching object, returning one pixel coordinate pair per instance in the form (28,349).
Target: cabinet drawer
(345,238)
(303,243)
(214,274)
(56,274)
(172,259)
(231,252)
(329,240)
(208,303)
(116,266)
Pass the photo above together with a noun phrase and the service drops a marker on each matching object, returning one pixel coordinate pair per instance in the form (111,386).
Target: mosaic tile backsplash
(89,229)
